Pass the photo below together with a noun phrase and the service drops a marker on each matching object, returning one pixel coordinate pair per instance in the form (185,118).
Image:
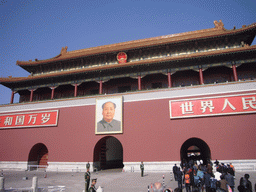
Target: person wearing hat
(88,165)
(142,169)
(93,188)
(87,177)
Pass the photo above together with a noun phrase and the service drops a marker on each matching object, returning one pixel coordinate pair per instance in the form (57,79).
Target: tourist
(174,170)
(230,179)
(223,183)
(187,181)
(244,181)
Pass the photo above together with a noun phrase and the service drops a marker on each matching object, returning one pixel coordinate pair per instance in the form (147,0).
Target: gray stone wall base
(161,166)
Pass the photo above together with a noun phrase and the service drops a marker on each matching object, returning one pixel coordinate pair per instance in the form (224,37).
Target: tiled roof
(219,30)
(141,62)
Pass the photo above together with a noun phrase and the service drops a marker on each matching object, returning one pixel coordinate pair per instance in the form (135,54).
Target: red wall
(149,135)
(149,126)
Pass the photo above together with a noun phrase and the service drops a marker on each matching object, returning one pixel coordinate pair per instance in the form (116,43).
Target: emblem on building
(122,57)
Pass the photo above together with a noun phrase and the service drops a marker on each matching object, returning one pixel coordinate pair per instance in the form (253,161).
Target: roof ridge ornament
(219,25)
(64,50)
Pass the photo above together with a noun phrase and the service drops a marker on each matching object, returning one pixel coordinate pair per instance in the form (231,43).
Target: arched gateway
(38,157)
(108,153)
(195,149)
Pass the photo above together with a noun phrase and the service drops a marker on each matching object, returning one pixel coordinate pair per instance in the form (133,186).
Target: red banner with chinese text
(29,119)
(212,106)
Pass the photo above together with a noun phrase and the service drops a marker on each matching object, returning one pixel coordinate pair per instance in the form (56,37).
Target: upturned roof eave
(128,64)
(180,37)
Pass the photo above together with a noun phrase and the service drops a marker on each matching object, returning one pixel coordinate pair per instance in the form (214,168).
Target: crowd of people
(194,176)
(199,177)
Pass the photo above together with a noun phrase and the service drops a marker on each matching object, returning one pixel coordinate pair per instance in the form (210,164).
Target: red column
(52,95)
(169,79)
(75,92)
(234,72)
(12,97)
(101,89)
(31,95)
(201,76)
(139,82)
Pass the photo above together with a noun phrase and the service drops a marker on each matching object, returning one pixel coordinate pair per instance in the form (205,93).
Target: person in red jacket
(187,181)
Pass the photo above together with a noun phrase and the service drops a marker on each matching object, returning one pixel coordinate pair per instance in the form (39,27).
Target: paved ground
(110,180)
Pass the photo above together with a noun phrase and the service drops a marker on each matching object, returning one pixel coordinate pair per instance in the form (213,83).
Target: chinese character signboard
(30,119)
(212,106)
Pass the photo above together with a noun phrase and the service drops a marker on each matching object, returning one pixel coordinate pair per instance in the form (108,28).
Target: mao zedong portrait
(108,123)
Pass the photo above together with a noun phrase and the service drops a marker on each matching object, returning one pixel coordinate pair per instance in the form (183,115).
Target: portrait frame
(101,127)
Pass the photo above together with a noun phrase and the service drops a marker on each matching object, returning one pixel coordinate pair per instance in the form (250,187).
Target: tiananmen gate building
(161,100)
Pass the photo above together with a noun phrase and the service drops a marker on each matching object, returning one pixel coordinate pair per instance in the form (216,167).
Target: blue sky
(33,29)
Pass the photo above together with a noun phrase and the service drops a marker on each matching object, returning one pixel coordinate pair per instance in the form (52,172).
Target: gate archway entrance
(108,154)
(195,149)
(38,157)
